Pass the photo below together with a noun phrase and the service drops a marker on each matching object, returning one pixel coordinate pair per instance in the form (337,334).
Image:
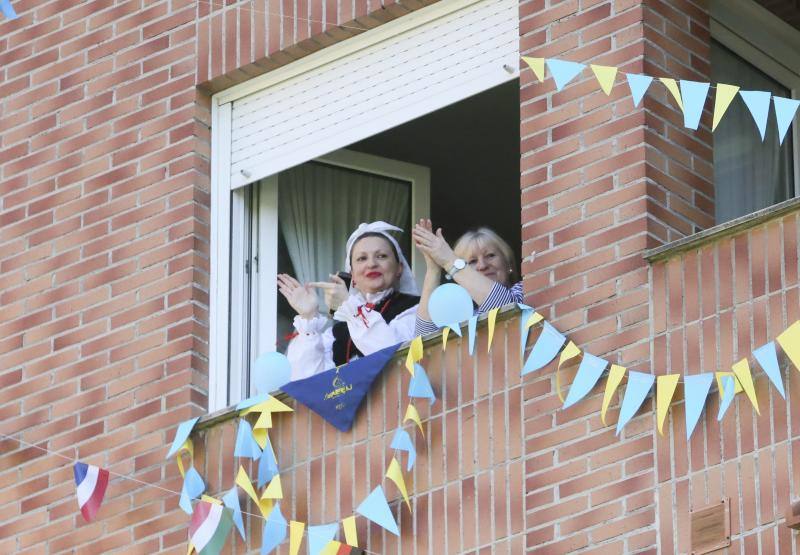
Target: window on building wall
(751,48)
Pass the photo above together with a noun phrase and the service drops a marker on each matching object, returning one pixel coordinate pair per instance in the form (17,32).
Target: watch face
(459,263)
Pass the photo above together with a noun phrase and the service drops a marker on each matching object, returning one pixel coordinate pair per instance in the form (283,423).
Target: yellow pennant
(414,353)
(789,341)
(295,536)
(331,548)
(605,76)
(243,481)
(533,319)
(615,376)
(210,499)
(720,380)
(490,321)
(445,335)
(665,390)
(189,447)
(271,404)
(264,421)
(260,435)
(274,489)
(672,86)
(191,548)
(742,371)
(569,352)
(413,415)
(396,475)
(722,99)
(350,532)
(537,65)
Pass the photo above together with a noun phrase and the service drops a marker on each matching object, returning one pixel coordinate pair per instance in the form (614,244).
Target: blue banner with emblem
(336,394)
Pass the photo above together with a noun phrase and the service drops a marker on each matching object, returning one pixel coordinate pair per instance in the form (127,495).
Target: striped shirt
(499,295)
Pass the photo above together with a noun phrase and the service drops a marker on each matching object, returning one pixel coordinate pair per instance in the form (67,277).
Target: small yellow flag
(271,404)
(533,319)
(396,475)
(742,371)
(445,335)
(537,65)
(413,415)
(665,390)
(350,532)
(331,548)
(189,447)
(615,376)
(209,499)
(264,421)
(605,76)
(260,435)
(722,99)
(274,489)
(789,341)
(492,317)
(414,353)
(569,352)
(295,536)
(672,86)
(243,481)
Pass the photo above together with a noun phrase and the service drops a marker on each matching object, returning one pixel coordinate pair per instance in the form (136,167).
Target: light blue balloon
(449,305)
(271,371)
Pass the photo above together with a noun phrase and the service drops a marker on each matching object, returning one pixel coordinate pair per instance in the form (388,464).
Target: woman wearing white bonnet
(378,311)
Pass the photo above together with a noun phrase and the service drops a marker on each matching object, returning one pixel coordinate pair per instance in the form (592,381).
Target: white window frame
(764,40)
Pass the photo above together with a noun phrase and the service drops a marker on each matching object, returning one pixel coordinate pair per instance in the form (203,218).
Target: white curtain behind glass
(748,175)
(320,205)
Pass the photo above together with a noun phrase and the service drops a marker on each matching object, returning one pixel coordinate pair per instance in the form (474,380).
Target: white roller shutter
(407,68)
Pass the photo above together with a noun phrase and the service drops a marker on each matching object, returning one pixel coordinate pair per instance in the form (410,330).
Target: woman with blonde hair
(481,262)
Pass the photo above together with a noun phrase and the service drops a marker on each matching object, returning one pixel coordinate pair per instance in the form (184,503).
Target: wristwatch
(458,264)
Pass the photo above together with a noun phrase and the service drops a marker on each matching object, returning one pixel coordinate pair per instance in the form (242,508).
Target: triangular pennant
(243,481)
(589,372)
(420,385)
(395,474)
(767,357)
(742,372)
(264,421)
(638,85)
(193,486)
(637,390)
(445,335)
(181,435)
(694,95)
(8,10)
(789,341)
(544,350)
(319,536)
(605,76)
(414,353)
(536,65)
(209,528)
(350,531)
(722,99)
(563,71)
(785,109)
(274,530)
(267,465)
(413,415)
(274,489)
(695,391)
(527,319)
(336,394)
(472,326)
(729,392)
(333,548)
(665,391)
(187,446)
(491,320)
(615,376)
(570,352)
(375,508)
(231,500)
(296,536)
(672,87)
(402,441)
(246,446)
(90,487)
(264,403)
(758,104)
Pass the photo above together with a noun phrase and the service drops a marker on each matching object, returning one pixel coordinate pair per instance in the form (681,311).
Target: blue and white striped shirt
(499,295)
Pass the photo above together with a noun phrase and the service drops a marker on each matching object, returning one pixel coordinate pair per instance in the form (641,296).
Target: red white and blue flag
(91,482)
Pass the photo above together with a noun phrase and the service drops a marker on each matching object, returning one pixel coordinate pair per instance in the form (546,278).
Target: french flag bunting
(90,482)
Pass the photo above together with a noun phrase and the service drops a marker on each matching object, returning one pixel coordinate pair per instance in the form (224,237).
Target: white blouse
(311,351)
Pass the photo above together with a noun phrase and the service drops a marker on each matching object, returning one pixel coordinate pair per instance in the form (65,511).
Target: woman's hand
(301,297)
(335,291)
(433,245)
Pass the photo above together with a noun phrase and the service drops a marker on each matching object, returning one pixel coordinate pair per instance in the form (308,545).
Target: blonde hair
(484,237)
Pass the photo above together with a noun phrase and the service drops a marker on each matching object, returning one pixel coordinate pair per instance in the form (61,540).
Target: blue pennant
(694,95)
(336,394)
(193,486)
(375,508)
(8,9)
(785,109)
(320,536)
(639,386)
(420,385)
(563,72)
(181,435)
(758,104)
(695,391)
(402,441)
(767,357)
(524,330)
(472,325)
(728,393)
(274,530)
(589,372)
(545,349)
(267,465)
(246,445)
(231,500)
(638,85)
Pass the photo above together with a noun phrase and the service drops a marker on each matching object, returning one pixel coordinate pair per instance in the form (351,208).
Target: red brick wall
(712,306)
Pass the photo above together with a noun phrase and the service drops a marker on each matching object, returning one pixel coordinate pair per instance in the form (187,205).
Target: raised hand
(335,291)
(301,298)
(433,245)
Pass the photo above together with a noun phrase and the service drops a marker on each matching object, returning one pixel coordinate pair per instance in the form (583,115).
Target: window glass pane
(748,174)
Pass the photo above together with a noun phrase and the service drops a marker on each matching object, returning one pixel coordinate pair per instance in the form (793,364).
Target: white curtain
(748,175)
(319,205)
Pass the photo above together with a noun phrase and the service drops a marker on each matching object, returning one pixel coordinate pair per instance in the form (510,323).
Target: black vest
(398,303)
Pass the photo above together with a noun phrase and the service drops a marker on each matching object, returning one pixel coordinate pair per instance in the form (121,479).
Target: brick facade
(104,241)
